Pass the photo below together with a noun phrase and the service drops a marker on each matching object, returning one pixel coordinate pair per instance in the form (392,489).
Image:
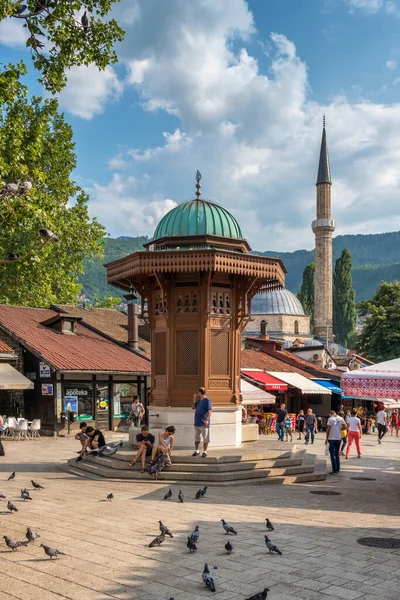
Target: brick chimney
(133,329)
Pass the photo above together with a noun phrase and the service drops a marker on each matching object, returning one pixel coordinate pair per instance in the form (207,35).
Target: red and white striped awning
(379,382)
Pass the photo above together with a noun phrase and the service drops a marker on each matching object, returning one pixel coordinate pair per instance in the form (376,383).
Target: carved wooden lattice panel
(161,349)
(219,352)
(187,353)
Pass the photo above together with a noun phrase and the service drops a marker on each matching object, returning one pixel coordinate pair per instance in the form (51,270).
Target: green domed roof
(198,217)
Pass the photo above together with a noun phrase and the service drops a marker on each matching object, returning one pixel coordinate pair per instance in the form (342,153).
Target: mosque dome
(276,302)
(198,218)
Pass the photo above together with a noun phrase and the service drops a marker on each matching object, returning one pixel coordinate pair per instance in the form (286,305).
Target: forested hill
(376,258)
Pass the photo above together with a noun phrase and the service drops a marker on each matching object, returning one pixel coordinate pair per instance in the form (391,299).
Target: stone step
(198,466)
(103,469)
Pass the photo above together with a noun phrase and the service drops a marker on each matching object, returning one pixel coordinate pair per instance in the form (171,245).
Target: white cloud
(253,132)
(391,64)
(12,33)
(390,7)
(89,90)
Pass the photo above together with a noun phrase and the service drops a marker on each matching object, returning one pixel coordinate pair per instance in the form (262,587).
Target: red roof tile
(5,348)
(256,359)
(85,351)
(108,321)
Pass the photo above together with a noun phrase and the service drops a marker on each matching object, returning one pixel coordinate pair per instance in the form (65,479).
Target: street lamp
(11,190)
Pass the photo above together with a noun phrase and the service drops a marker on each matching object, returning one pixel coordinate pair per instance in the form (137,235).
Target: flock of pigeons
(193,538)
(31,536)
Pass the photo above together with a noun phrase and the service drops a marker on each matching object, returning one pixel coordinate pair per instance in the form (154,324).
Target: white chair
(22,429)
(34,428)
(12,427)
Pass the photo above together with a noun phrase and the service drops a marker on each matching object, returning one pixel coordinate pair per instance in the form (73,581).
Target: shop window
(123,399)
(78,398)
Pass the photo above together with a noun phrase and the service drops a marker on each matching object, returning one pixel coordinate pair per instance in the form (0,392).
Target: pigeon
(9,188)
(13,544)
(168,494)
(180,496)
(25,186)
(158,540)
(12,476)
(270,527)
(110,497)
(191,545)
(48,235)
(11,507)
(107,450)
(25,495)
(51,551)
(85,22)
(271,546)
(195,534)
(260,596)
(2,496)
(12,256)
(228,547)
(37,486)
(208,579)
(31,536)
(228,528)
(164,529)
(201,493)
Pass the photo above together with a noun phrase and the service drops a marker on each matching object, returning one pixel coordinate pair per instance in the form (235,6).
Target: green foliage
(380,337)
(94,279)
(372,252)
(344,308)
(36,145)
(306,295)
(59,40)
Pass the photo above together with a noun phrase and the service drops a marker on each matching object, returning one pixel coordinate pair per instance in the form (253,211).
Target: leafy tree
(306,295)
(65,33)
(380,336)
(37,152)
(344,307)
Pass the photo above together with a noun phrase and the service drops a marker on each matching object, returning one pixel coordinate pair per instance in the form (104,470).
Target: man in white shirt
(382,424)
(334,427)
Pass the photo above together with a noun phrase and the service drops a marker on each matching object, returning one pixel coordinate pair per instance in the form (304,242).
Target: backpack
(158,465)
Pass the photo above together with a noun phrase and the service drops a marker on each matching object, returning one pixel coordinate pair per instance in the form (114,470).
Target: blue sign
(70,404)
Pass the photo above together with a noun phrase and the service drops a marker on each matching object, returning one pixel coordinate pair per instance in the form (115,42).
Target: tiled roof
(108,321)
(5,348)
(256,359)
(296,361)
(85,351)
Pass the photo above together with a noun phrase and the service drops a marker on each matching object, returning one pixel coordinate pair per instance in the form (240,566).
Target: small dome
(277,302)
(313,342)
(196,218)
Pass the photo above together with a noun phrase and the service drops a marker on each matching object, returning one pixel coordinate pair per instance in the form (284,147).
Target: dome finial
(198,185)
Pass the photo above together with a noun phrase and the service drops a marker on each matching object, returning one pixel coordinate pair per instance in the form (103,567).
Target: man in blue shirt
(281,415)
(202,415)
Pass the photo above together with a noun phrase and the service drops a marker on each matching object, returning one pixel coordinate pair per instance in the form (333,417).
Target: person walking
(301,421)
(343,435)
(334,427)
(288,428)
(394,420)
(354,433)
(137,412)
(202,406)
(311,425)
(382,420)
(281,415)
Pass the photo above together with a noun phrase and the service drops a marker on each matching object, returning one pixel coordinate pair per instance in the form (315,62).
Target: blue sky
(237,90)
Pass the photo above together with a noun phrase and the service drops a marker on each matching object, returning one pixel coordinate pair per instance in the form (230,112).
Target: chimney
(133,330)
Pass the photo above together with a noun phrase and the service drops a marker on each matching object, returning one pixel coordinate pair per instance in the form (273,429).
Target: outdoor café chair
(12,427)
(34,428)
(22,429)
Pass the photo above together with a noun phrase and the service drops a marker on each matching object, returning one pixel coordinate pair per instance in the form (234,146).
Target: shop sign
(78,391)
(70,404)
(47,389)
(85,418)
(44,370)
(124,390)
(121,416)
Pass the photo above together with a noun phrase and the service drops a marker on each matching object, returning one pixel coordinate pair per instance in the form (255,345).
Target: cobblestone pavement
(106,543)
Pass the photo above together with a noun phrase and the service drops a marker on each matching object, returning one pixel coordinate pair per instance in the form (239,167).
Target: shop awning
(306,386)
(329,385)
(11,379)
(270,383)
(251,394)
(374,382)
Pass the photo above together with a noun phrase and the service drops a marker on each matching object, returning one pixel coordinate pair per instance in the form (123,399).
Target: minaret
(323,227)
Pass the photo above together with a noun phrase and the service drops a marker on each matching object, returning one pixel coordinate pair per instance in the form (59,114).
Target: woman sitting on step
(165,444)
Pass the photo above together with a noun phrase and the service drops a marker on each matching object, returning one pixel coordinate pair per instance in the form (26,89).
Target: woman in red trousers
(354,433)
